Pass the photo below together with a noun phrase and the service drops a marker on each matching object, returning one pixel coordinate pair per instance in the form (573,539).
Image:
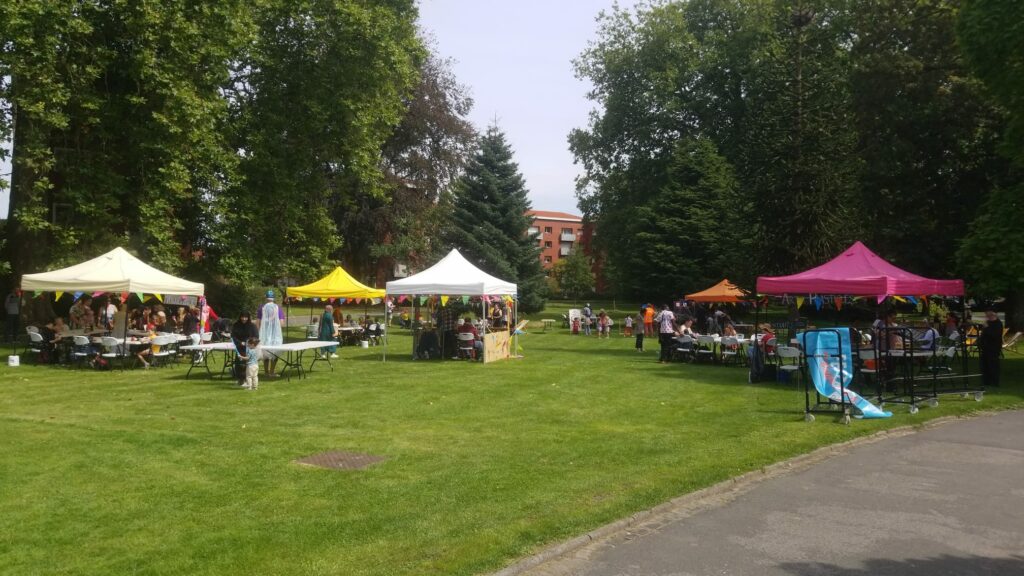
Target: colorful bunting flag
(444,300)
(423,300)
(142,297)
(817,302)
(57,295)
(376,301)
(77,295)
(839,302)
(124,297)
(881,298)
(799,302)
(158,297)
(401,298)
(465,299)
(36,293)
(97,294)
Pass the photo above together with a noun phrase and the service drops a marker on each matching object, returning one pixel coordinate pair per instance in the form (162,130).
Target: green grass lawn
(145,472)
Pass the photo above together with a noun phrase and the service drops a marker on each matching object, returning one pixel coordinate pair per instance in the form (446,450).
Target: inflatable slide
(823,350)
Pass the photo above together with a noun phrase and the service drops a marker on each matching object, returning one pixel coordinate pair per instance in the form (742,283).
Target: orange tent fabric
(724,291)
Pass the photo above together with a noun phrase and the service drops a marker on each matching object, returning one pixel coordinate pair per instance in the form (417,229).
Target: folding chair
(730,347)
(789,360)
(684,349)
(705,348)
(81,350)
(467,345)
(35,344)
(112,350)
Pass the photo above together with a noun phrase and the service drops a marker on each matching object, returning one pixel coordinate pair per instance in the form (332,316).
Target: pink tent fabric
(858,272)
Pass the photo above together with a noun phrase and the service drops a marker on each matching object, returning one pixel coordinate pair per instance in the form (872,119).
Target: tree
(574,275)
(992,34)
(421,160)
(313,99)
(489,222)
(118,116)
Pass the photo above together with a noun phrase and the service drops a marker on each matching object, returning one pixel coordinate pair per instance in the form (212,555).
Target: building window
(547,244)
(547,259)
(547,229)
(566,230)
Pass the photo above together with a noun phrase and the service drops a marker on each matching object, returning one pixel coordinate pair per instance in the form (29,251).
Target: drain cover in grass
(338,460)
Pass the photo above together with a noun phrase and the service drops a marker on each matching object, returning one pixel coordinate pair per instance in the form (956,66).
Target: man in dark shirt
(990,344)
(241,331)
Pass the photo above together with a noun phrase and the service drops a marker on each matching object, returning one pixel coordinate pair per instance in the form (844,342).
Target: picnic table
(201,356)
(294,352)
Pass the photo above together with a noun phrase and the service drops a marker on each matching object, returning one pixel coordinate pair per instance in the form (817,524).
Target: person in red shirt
(465,326)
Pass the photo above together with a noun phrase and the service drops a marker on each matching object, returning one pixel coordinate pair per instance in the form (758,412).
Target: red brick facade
(558,233)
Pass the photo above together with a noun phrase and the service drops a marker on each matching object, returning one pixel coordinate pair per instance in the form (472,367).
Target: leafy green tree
(313,99)
(574,275)
(119,118)
(421,160)
(992,34)
(489,222)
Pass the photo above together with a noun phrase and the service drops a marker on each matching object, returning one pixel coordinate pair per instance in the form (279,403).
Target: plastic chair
(730,349)
(789,359)
(36,345)
(706,347)
(164,354)
(112,350)
(684,348)
(467,345)
(81,350)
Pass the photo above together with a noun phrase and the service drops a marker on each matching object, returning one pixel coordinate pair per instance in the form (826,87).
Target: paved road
(945,501)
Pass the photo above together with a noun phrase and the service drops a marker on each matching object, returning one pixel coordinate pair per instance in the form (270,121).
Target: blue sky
(516,60)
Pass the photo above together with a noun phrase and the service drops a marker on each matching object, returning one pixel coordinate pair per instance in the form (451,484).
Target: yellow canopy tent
(337,284)
(724,291)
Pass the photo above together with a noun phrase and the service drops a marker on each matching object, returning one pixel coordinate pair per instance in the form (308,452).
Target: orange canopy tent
(724,291)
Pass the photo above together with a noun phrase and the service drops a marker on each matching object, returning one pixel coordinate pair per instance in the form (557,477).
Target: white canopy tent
(115,271)
(453,275)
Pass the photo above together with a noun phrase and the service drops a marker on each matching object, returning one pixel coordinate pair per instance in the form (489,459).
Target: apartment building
(557,233)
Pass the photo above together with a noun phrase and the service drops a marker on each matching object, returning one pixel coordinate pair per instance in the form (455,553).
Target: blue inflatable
(823,350)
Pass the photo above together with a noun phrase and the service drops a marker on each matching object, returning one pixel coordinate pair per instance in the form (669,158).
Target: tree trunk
(1015,311)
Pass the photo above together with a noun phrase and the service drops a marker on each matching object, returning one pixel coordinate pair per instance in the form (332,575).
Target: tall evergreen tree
(489,222)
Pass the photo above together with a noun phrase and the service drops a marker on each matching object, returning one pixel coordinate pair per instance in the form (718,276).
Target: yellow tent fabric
(724,291)
(337,284)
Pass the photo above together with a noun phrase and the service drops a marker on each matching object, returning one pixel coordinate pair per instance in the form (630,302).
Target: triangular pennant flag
(401,298)
(817,302)
(142,297)
(376,301)
(423,300)
(465,299)
(316,299)
(36,293)
(900,299)
(124,297)
(912,300)
(486,298)
(342,300)
(881,298)
(298,298)
(57,295)
(77,295)
(839,302)
(158,297)
(799,302)
(444,300)
(97,294)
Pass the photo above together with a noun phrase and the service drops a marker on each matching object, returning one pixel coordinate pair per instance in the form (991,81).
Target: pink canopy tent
(858,272)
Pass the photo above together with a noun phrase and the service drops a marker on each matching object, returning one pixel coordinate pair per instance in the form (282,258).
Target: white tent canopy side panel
(115,271)
(452,275)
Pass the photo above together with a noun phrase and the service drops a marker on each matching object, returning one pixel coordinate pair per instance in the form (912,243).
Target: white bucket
(13,360)
(364,343)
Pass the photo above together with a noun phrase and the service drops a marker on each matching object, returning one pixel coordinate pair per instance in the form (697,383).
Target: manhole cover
(338,460)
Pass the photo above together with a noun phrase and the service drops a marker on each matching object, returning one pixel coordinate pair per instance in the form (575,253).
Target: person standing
(109,313)
(639,331)
(990,344)
(587,314)
(328,330)
(12,305)
(242,331)
(252,364)
(667,331)
(271,328)
(648,319)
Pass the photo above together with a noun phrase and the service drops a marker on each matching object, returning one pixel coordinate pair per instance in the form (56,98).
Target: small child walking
(639,321)
(627,326)
(252,364)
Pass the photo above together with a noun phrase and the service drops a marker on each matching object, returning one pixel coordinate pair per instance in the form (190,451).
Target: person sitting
(465,326)
(766,336)
(404,320)
(929,339)
(52,333)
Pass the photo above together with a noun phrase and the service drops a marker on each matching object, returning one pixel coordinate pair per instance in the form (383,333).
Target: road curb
(718,494)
